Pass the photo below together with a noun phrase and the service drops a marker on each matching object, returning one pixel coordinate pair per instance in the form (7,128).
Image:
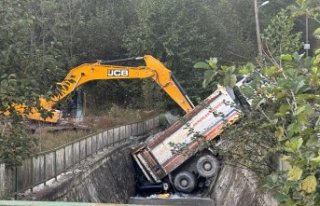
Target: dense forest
(204,43)
(42,40)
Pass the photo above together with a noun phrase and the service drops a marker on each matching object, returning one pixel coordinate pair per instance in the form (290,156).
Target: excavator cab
(75,107)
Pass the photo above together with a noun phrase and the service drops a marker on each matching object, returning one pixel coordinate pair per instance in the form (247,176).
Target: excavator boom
(84,73)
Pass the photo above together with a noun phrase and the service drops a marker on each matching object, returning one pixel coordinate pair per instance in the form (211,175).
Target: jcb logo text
(118,73)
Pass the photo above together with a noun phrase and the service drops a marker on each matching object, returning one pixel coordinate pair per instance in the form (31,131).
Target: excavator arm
(84,73)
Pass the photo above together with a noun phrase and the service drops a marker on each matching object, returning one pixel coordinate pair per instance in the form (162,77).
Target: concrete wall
(238,187)
(45,166)
(106,178)
(111,178)
(7,181)
(2,176)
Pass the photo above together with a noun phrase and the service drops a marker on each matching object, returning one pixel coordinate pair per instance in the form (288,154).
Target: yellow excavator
(103,70)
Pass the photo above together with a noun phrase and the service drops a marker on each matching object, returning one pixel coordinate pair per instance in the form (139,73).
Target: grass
(49,141)
(116,116)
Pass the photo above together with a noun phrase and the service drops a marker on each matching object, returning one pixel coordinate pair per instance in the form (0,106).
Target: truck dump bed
(157,157)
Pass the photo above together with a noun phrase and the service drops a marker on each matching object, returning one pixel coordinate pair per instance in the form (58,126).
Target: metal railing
(48,165)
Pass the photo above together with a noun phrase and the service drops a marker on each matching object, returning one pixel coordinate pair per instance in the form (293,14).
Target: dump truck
(178,156)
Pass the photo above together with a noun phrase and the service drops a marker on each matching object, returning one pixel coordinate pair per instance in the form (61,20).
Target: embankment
(108,177)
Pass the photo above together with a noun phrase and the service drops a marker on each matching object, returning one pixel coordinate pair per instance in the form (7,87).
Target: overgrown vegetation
(283,123)
(41,40)
(279,36)
(48,140)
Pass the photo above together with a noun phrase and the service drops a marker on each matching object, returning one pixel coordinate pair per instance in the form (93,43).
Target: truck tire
(185,182)
(207,166)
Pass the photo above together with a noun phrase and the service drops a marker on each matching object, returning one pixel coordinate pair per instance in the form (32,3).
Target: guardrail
(48,165)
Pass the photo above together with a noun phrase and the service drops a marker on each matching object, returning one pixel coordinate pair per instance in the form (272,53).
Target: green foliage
(280,37)
(178,43)
(293,93)
(30,61)
(14,146)
(153,96)
(14,143)
(15,87)
(233,31)
(316,33)
(40,40)
(181,33)
(283,124)
(223,75)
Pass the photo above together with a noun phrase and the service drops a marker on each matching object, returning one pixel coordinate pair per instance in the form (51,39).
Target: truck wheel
(207,166)
(185,182)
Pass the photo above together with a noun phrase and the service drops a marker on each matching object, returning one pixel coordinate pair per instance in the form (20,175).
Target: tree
(19,85)
(172,31)
(279,36)
(283,124)
(233,31)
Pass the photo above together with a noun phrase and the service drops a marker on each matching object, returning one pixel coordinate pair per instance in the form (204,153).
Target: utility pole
(307,45)
(256,15)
